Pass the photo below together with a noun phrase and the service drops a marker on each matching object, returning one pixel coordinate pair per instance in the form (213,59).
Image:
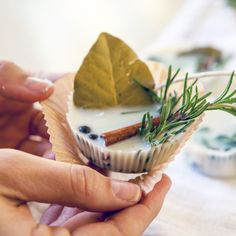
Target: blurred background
(55,35)
(196,35)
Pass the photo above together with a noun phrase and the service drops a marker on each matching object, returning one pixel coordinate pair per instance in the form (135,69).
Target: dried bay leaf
(106,77)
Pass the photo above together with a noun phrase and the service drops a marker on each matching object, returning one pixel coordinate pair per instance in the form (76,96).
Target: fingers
(44,230)
(36,147)
(82,219)
(70,218)
(15,84)
(66,214)
(49,155)
(51,214)
(133,220)
(38,179)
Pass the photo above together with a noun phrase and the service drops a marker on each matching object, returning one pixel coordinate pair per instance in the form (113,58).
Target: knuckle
(116,229)
(6,160)
(9,70)
(40,229)
(7,67)
(8,163)
(146,210)
(60,231)
(81,179)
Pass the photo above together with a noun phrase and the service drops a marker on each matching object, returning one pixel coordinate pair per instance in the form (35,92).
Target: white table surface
(196,205)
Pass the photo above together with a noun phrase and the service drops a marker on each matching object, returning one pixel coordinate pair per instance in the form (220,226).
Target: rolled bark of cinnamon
(115,136)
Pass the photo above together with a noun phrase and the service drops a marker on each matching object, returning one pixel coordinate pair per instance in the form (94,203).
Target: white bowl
(215,163)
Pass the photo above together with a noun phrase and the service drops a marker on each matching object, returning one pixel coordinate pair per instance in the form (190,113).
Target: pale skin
(94,204)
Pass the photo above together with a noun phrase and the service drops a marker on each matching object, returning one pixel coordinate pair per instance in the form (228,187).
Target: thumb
(28,178)
(15,84)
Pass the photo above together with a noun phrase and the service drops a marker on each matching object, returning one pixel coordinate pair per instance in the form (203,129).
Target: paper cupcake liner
(68,149)
(148,180)
(139,161)
(64,146)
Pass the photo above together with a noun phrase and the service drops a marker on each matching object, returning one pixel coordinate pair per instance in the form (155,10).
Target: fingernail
(126,191)
(39,85)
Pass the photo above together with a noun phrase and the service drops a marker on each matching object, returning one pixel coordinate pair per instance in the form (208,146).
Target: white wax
(103,120)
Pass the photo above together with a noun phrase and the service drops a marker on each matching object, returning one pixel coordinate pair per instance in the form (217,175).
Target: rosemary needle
(179,111)
(200,75)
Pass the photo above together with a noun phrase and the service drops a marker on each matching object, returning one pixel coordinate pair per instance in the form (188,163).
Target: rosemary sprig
(178,112)
(232,3)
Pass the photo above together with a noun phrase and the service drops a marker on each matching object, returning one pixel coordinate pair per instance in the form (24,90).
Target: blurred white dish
(213,161)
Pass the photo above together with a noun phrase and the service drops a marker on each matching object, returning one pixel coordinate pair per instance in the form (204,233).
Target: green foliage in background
(232,3)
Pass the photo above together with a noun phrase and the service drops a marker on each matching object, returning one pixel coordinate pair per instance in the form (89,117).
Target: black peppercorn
(85,129)
(93,136)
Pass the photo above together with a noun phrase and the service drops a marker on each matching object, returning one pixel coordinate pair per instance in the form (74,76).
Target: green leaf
(106,76)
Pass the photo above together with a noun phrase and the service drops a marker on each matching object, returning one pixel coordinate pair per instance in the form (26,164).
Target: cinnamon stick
(118,135)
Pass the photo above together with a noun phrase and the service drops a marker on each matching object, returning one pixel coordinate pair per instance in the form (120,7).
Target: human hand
(19,120)
(26,178)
